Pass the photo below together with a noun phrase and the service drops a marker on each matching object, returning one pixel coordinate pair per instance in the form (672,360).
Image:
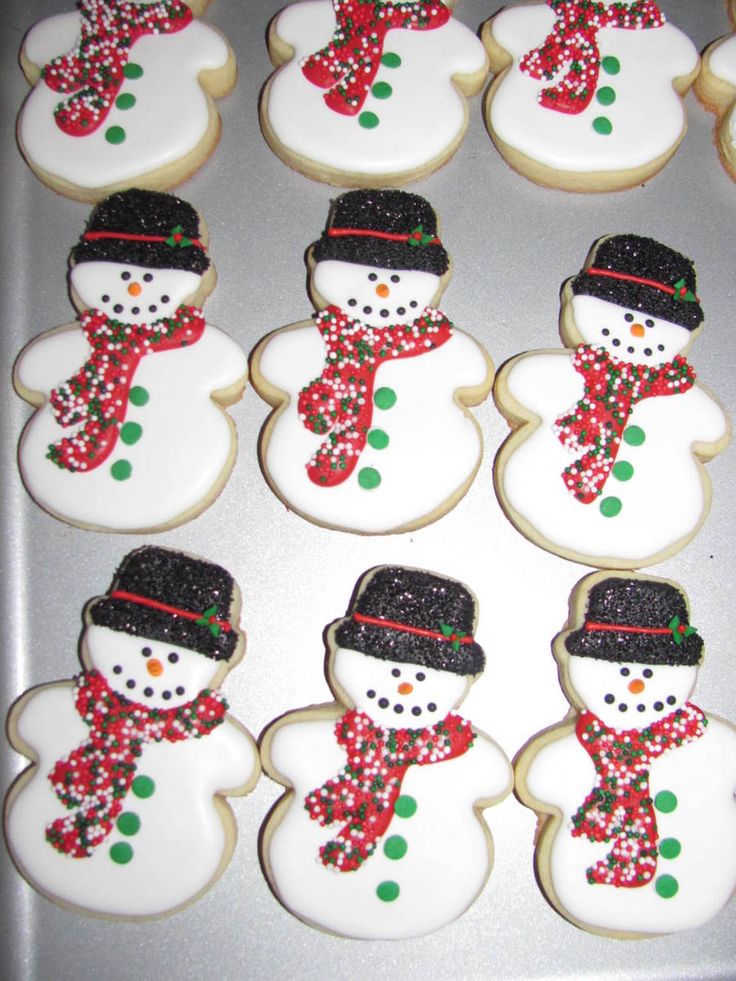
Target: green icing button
(115,135)
(387,891)
(606,95)
(131,432)
(603,125)
(121,853)
(368,120)
(610,507)
(385,398)
(390,59)
(611,65)
(669,848)
(369,478)
(666,886)
(125,101)
(378,439)
(143,787)
(382,90)
(132,70)
(121,470)
(405,806)
(128,823)
(665,801)
(623,470)
(138,395)
(395,847)
(634,435)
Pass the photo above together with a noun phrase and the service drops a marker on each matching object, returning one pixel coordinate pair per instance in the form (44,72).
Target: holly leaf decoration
(454,636)
(177,238)
(417,236)
(680,630)
(683,293)
(209,620)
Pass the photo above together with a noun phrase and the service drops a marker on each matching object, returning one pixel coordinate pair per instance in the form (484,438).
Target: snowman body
(721,63)
(432,860)
(185,449)
(161,111)
(692,787)
(412,120)
(633,123)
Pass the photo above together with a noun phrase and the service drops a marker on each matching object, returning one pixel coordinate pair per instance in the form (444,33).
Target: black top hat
(144,228)
(414,617)
(383,228)
(642,275)
(166,595)
(644,621)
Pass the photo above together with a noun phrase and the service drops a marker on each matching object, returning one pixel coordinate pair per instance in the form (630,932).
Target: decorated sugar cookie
(716,89)
(636,793)
(371,431)
(380,832)
(369,94)
(604,465)
(122,95)
(122,810)
(129,432)
(588,95)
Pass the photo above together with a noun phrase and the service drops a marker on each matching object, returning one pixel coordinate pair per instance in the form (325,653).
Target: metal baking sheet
(512,244)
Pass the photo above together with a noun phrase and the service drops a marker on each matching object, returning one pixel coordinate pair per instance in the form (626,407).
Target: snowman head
(140,257)
(379,259)
(166,629)
(635,298)
(633,657)
(405,655)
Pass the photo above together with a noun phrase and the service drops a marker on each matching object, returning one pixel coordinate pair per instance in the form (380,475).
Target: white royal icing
(185,448)
(647,115)
(722,64)
(663,502)
(169,120)
(182,840)
(422,120)
(447,859)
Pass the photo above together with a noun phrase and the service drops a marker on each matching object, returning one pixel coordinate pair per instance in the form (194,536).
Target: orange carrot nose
(405,688)
(154,667)
(637,330)
(636,686)
(134,289)
(382,290)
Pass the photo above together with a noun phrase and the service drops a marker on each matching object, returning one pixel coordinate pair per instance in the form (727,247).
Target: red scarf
(611,390)
(95,777)
(340,402)
(363,794)
(348,65)
(619,807)
(97,395)
(94,70)
(572,44)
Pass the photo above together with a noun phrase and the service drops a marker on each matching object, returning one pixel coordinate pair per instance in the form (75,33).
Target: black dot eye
(420,676)
(629,317)
(647,672)
(125,276)
(395,672)
(146,651)
(148,692)
(173,657)
(625,672)
(370,693)
(649,323)
(147,277)
(373,277)
(431,707)
(609,699)
(395,278)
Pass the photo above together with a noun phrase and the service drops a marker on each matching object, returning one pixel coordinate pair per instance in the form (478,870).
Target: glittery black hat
(144,228)
(166,595)
(644,621)
(383,228)
(642,275)
(414,617)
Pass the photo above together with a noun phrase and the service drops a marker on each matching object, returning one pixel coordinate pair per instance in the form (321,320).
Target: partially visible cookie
(122,96)
(715,86)
(369,94)
(588,97)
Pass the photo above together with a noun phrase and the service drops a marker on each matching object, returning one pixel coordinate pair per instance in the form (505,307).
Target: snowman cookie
(716,89)
(604,464)
(636,791)
(371,431)
(588,96)
(122,95)
(122,812)
(129,432)
(369,94)
(380,833)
